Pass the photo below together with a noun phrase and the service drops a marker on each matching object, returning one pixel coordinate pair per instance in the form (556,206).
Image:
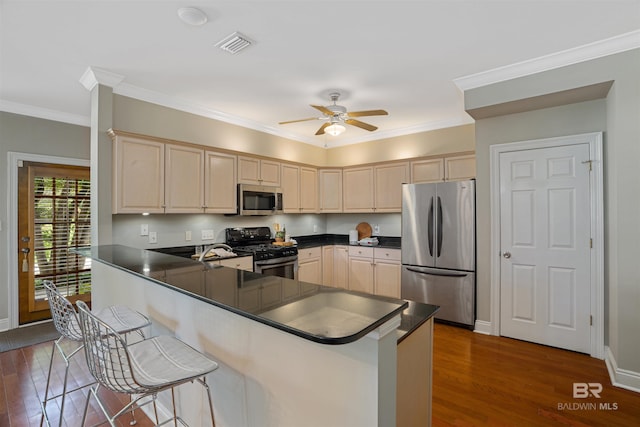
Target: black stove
(257,241)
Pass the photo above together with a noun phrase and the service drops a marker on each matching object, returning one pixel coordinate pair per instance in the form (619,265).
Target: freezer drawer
(453,291)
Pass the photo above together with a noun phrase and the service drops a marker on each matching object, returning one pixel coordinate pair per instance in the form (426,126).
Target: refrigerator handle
(439,228)
(439,273)
(430,228)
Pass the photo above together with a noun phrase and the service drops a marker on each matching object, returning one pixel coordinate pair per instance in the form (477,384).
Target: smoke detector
(192,16)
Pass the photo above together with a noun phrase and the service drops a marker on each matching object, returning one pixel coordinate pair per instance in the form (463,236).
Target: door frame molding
(14,159)
(596,196)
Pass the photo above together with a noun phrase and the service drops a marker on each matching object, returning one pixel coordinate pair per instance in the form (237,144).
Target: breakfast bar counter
(290,352)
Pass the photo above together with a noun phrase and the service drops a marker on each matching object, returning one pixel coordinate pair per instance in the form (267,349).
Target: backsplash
(171,229)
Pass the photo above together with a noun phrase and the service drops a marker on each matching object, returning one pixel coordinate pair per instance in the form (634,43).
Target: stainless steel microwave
(259,200)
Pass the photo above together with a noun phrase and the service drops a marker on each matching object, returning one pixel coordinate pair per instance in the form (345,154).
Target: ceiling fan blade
(360,124)
(367,113)
(324,110)
(322,128)
(300,120)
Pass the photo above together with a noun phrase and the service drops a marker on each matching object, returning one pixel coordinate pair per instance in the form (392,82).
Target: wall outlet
(153,237)
(207,235)
(144,229)
(187,235)
(315,228)
(376,230)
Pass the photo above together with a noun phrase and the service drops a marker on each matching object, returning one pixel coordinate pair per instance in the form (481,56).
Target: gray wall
(619,116)
(30,135)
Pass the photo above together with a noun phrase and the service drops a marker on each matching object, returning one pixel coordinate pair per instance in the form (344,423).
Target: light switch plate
(187,235)
(376,230)
(207,235)
(144,229)
(153,237)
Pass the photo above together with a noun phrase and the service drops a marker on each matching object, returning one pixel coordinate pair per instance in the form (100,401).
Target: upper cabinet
(138,175)
(252,170)
(460,167)
(151,176)
(375,188)
(184,179)
(388,186)
(290,188)
(220,195)
(454,168)
(299,189)
(430,170)
(357,187)
(330,181)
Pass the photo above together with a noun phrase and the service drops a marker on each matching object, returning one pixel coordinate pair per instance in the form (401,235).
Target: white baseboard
(622,378)
(4,324)
(482,327)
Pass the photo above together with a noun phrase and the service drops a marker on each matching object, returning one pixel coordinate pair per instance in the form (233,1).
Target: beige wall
(432,143)
(618,115)
(30,135)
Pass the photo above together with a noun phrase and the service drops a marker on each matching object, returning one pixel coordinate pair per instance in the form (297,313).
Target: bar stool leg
(46,390)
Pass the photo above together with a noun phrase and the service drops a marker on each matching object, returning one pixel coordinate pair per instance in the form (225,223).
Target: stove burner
(257,241)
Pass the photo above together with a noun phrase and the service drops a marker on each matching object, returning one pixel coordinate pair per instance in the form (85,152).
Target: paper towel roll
(353,237)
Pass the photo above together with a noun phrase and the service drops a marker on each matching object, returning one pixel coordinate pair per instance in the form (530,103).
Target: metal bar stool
(143,369)
(66,321)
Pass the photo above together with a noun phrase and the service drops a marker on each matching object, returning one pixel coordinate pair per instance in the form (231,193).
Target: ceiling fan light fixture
(335,129)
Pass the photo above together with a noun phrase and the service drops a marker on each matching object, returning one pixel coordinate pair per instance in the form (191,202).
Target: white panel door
(545,243)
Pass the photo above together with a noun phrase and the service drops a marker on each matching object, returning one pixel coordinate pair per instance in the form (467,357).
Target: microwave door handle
(430,228)
(439,228)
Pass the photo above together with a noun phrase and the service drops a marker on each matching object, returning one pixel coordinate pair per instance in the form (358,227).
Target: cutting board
(364,230)
(282,243)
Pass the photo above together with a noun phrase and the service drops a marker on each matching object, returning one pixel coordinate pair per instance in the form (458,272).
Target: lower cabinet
(341,266)
(310,265)
(240,263)
(375,271)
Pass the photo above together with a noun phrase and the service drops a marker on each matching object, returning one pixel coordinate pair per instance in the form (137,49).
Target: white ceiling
(401,56)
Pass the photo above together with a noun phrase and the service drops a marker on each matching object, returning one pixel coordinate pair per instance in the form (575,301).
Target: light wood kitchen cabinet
(310,265)
(330,190)
(429,170)
(388,180)
(358,189)
(299,189)
(239,263)
(220,183)
(327,265)
(252,170)
(138,175)
(308,189)
(387,271)
(361,269)
(460,167)
(184,179)
(290,188)
(341,266)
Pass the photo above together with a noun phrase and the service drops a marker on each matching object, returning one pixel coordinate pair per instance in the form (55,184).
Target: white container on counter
(353,237)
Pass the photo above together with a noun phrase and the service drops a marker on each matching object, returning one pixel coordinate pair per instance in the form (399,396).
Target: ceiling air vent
(234,43)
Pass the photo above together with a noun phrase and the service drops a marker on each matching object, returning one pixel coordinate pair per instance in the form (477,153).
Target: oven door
(286,267)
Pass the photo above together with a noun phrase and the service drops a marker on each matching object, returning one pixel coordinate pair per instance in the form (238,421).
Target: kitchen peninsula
(290,353)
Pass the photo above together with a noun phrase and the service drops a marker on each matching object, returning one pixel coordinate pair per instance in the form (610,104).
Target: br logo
(584,390)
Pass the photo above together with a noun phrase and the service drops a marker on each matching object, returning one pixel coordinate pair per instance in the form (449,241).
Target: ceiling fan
(336,115)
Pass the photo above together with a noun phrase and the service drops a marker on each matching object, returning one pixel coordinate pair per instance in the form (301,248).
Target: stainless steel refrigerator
(439,248)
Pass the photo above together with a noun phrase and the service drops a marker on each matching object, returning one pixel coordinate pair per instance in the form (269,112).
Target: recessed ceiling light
(192,16)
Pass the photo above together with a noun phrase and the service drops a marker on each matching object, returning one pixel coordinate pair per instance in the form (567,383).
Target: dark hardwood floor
(481,380)
(478,380)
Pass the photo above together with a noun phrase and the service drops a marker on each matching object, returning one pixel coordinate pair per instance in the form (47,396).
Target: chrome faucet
(212,247)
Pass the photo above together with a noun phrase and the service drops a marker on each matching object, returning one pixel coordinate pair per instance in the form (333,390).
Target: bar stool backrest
(65,317)
(107,355)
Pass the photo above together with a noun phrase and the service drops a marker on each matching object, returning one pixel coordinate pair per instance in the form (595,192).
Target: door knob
(507,255)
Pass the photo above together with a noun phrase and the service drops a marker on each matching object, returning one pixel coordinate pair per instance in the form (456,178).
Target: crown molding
(598,49)
(93,76)
(44,113)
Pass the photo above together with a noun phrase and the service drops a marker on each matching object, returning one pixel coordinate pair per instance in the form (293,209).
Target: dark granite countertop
(314,240)
(322,314)
(413,316)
